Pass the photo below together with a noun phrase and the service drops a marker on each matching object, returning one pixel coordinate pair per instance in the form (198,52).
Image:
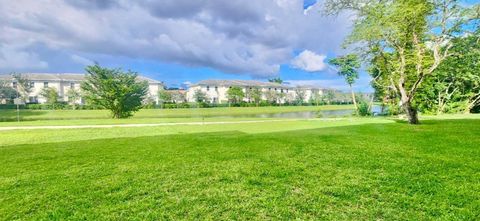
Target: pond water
(304,114)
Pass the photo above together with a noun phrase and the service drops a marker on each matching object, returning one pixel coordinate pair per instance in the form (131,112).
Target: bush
(364,109)
(10,106)
(183,105)
(66,106)
(150,105)
(34,106)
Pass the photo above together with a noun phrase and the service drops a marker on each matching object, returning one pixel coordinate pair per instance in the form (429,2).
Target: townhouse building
(216,90)
(63,82)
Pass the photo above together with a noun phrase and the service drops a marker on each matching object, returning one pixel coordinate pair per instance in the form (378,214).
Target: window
(72,85)
(14,85)
(32,84)
(216,88)
(208,88)
(281,90)
(269,89)
(45,84)
(32,99)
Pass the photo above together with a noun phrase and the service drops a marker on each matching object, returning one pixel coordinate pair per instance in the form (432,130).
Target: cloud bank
(229,36)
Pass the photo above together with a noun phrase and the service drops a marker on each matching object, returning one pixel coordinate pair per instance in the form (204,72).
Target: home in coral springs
(216,90)
(63,82)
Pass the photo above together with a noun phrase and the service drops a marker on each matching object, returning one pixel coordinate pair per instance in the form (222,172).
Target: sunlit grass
(351,169)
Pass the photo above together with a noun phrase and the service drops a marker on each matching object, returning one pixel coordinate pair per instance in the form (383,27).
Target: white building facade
(216,91)
(63,82)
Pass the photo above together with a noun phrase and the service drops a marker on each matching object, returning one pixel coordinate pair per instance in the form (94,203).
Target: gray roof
(310,87)
(241,83)
(62,77)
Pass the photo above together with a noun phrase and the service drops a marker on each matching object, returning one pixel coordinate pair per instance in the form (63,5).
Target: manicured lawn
(30,115)
(351,169)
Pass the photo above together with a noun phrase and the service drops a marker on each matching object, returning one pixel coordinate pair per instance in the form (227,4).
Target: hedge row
(242,104)
(65,106)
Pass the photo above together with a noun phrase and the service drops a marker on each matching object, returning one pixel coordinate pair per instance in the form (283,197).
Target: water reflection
(305,114)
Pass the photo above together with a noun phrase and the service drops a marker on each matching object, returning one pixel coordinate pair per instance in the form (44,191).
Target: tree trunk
(411,112)
(472,103)
(468,108)
(353,98)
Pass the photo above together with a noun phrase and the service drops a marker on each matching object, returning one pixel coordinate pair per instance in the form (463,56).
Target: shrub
(364,109)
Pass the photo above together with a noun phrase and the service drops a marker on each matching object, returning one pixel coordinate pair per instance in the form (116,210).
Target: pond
(304,114)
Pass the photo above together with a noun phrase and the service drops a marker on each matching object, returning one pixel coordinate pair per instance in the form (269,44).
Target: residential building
(178,95)
(216,90)
(63,82)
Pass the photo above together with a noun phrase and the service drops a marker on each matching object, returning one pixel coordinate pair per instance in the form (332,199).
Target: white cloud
(309,61)
(81,60)
(229,36)
(16,58)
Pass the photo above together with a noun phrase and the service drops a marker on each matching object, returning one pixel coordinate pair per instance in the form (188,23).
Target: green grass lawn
(32,115)
(347,169)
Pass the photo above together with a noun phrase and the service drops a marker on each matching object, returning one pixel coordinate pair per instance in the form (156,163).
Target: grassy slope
(14,137)
(368,171)
(128,121)
(28,115)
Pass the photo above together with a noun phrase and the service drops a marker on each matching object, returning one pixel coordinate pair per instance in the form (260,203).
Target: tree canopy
(405,41)
(23,86)
(235,94)
(164,96)
(254,94)
(51,95)
(348,66)
(300,95)
(7,93)
(276,80)
(118,91)
(199,96)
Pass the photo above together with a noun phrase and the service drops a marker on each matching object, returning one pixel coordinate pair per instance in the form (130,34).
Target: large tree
(348,68)
(73,96)
(300,95)
(413,36)
(51,95)
(254,94)
(118,91)
(23,86)
(7,93)
(455,85)
(235,94)
(271,96)
(164,96)
(329,96)
(199,96)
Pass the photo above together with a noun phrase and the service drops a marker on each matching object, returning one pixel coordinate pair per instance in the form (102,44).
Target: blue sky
(176,41)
